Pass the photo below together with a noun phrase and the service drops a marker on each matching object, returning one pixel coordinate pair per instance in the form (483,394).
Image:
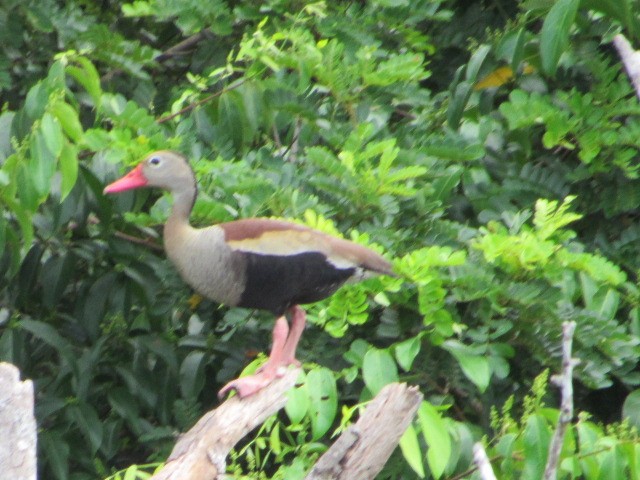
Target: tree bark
(17,426)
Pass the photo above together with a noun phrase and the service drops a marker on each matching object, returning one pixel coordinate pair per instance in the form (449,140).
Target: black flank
(277,282)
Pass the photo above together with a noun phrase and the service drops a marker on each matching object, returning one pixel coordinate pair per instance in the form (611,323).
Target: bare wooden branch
(565,381)
(364,448)
(483,463)
(630,60)
(18,426)
(201,452)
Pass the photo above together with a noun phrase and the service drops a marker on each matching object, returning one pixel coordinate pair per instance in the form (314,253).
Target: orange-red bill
(134,179)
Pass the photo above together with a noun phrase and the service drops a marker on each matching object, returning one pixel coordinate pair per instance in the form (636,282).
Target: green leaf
(68,169)
(68,118)
(192,374)
(613,465)
(475,62)
(535,441)
(50,336)
(297,401)
(42,164)
(56,452)
(458,103)
(86,418)
(436,434)
(52,132)
(378,370)
(407,351)
(323,400)
(87,76)
(554,36)
(475,367)
(411,450)
(631,408)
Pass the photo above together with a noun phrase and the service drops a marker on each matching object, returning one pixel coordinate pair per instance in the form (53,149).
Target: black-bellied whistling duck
(254,263)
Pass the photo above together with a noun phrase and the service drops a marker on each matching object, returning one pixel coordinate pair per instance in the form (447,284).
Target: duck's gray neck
(184,191)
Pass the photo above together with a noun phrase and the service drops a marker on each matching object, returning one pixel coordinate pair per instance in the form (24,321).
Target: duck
(255,263)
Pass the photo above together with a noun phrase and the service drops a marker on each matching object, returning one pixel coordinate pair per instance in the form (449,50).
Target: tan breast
(205,262)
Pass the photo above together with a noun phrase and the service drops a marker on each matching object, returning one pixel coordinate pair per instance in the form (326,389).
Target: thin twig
(565,381)
(147,242)
(181,47)
(177,49)
(482,462)
(203,101)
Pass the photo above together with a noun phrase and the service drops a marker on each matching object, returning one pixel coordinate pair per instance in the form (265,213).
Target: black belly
(276,282)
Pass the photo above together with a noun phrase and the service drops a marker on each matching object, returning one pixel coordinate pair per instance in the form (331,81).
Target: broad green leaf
(475,62)
(87,76)
(475,367)
(458,103)
(68,118)
(554,36)
(436,434)
(378,370)
(124,404)
(535,441)
(631,408)
(52,132)
(50,336)
(42,164)
(86,418)
(407,351)
(297,400)
(323,400)
(192,374)
(613,465)
(56,451)
(411,450)
(68,169)
(36,101)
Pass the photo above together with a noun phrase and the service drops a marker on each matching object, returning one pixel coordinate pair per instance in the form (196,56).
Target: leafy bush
(487,148)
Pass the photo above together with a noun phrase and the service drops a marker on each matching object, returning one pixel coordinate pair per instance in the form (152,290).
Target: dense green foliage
(489,148)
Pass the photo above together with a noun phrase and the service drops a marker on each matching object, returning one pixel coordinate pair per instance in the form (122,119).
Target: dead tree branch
(565,382)
(359,453)
(482,462)
(201,453)
(18,426)
(364,448)
(630,60)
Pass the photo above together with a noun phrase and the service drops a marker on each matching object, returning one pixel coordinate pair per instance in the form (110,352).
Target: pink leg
(298,322)
(273,368)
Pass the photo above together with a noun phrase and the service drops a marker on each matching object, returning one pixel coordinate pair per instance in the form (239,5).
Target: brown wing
(277,237)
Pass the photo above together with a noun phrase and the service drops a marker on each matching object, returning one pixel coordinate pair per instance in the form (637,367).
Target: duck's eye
(154,160)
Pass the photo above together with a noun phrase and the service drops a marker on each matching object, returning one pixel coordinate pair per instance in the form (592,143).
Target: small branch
(482,462)
(363,449)
(206,99)
(201,453)
(293,149)
(147,242)
(181,47)
(566,404)
(18,426)
(630,60)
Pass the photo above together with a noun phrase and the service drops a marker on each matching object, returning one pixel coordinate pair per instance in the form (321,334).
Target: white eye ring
(155,161)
